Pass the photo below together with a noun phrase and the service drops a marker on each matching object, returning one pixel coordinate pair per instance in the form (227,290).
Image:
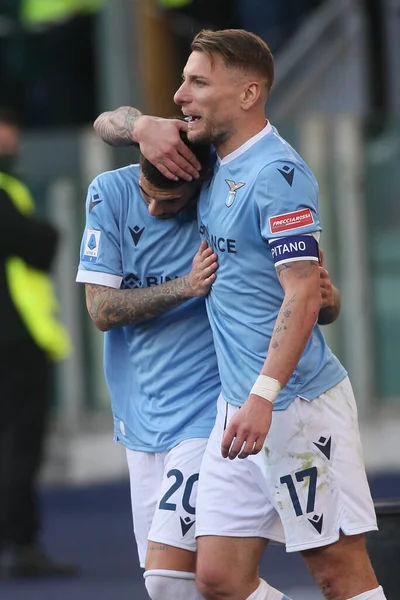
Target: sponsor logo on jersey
(91,251)
(218,243)
(233,188)
(132,281)
(136,233)
(292,220)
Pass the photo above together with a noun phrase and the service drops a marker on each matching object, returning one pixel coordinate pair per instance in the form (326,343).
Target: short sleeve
(100,253)
(287,200)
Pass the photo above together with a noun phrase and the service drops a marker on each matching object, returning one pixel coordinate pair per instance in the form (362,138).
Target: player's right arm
(109,307)
(159,140)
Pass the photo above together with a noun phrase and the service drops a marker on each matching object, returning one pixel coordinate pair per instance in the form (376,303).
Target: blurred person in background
(31,338)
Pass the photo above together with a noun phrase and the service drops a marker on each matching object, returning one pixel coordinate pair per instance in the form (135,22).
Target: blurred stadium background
(336,98)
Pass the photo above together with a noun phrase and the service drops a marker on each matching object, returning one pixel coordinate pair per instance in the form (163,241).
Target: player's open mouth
(192,118)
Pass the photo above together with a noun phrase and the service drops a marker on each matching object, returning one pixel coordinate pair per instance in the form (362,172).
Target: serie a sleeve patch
(91,250)
(297,247)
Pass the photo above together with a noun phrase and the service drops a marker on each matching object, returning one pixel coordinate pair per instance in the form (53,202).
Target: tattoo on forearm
(284,314)
(116,127)
(109,307)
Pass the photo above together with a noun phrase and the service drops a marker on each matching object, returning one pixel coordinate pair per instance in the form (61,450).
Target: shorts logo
(317,522)
(186,524)
(233,188)
(292,220)
(91,246)
(324,445)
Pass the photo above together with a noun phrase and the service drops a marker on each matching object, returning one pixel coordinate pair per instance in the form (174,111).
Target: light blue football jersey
(161,373)
(262,200)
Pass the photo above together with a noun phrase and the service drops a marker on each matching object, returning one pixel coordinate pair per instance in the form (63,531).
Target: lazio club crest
(233,188)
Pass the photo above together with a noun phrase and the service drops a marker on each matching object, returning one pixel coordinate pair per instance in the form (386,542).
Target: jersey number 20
(179,479)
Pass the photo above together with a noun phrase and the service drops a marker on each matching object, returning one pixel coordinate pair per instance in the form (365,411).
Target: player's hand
(204,265)
(326,286)
(161,144)
(248,428)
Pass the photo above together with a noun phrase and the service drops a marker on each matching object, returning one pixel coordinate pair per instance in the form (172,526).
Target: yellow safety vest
(38,12)
(31,290)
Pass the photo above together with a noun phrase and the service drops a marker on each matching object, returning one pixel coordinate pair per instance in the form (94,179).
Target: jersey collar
(242,149)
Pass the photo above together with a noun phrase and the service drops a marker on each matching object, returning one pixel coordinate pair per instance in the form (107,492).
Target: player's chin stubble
(209,135)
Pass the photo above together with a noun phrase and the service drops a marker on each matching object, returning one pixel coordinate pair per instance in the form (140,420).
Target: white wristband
(266,387)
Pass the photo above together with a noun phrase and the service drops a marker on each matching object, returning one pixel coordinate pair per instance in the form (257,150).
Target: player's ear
(250,95)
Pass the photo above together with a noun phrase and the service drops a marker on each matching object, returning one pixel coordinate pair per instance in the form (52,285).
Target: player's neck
(244,132)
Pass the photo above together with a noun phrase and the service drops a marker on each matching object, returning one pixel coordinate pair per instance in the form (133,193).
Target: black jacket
(30,239)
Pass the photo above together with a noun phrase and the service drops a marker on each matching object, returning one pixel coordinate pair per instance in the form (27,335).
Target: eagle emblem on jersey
(233,188)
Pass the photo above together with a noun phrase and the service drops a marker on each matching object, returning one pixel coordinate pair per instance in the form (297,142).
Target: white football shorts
(305,486)
(163,495)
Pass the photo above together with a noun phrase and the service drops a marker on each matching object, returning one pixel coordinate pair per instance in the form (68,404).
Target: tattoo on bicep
(301,269)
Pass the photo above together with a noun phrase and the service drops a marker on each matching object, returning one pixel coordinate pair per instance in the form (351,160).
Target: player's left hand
(326,286)
(202,274)
(246,431)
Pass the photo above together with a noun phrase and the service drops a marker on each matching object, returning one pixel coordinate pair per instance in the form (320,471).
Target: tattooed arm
(296,319)
(110,307)
(117,127)
(248,428)
(159,139)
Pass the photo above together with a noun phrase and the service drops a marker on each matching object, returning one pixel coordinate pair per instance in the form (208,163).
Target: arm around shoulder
(109,307)
(118,127)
